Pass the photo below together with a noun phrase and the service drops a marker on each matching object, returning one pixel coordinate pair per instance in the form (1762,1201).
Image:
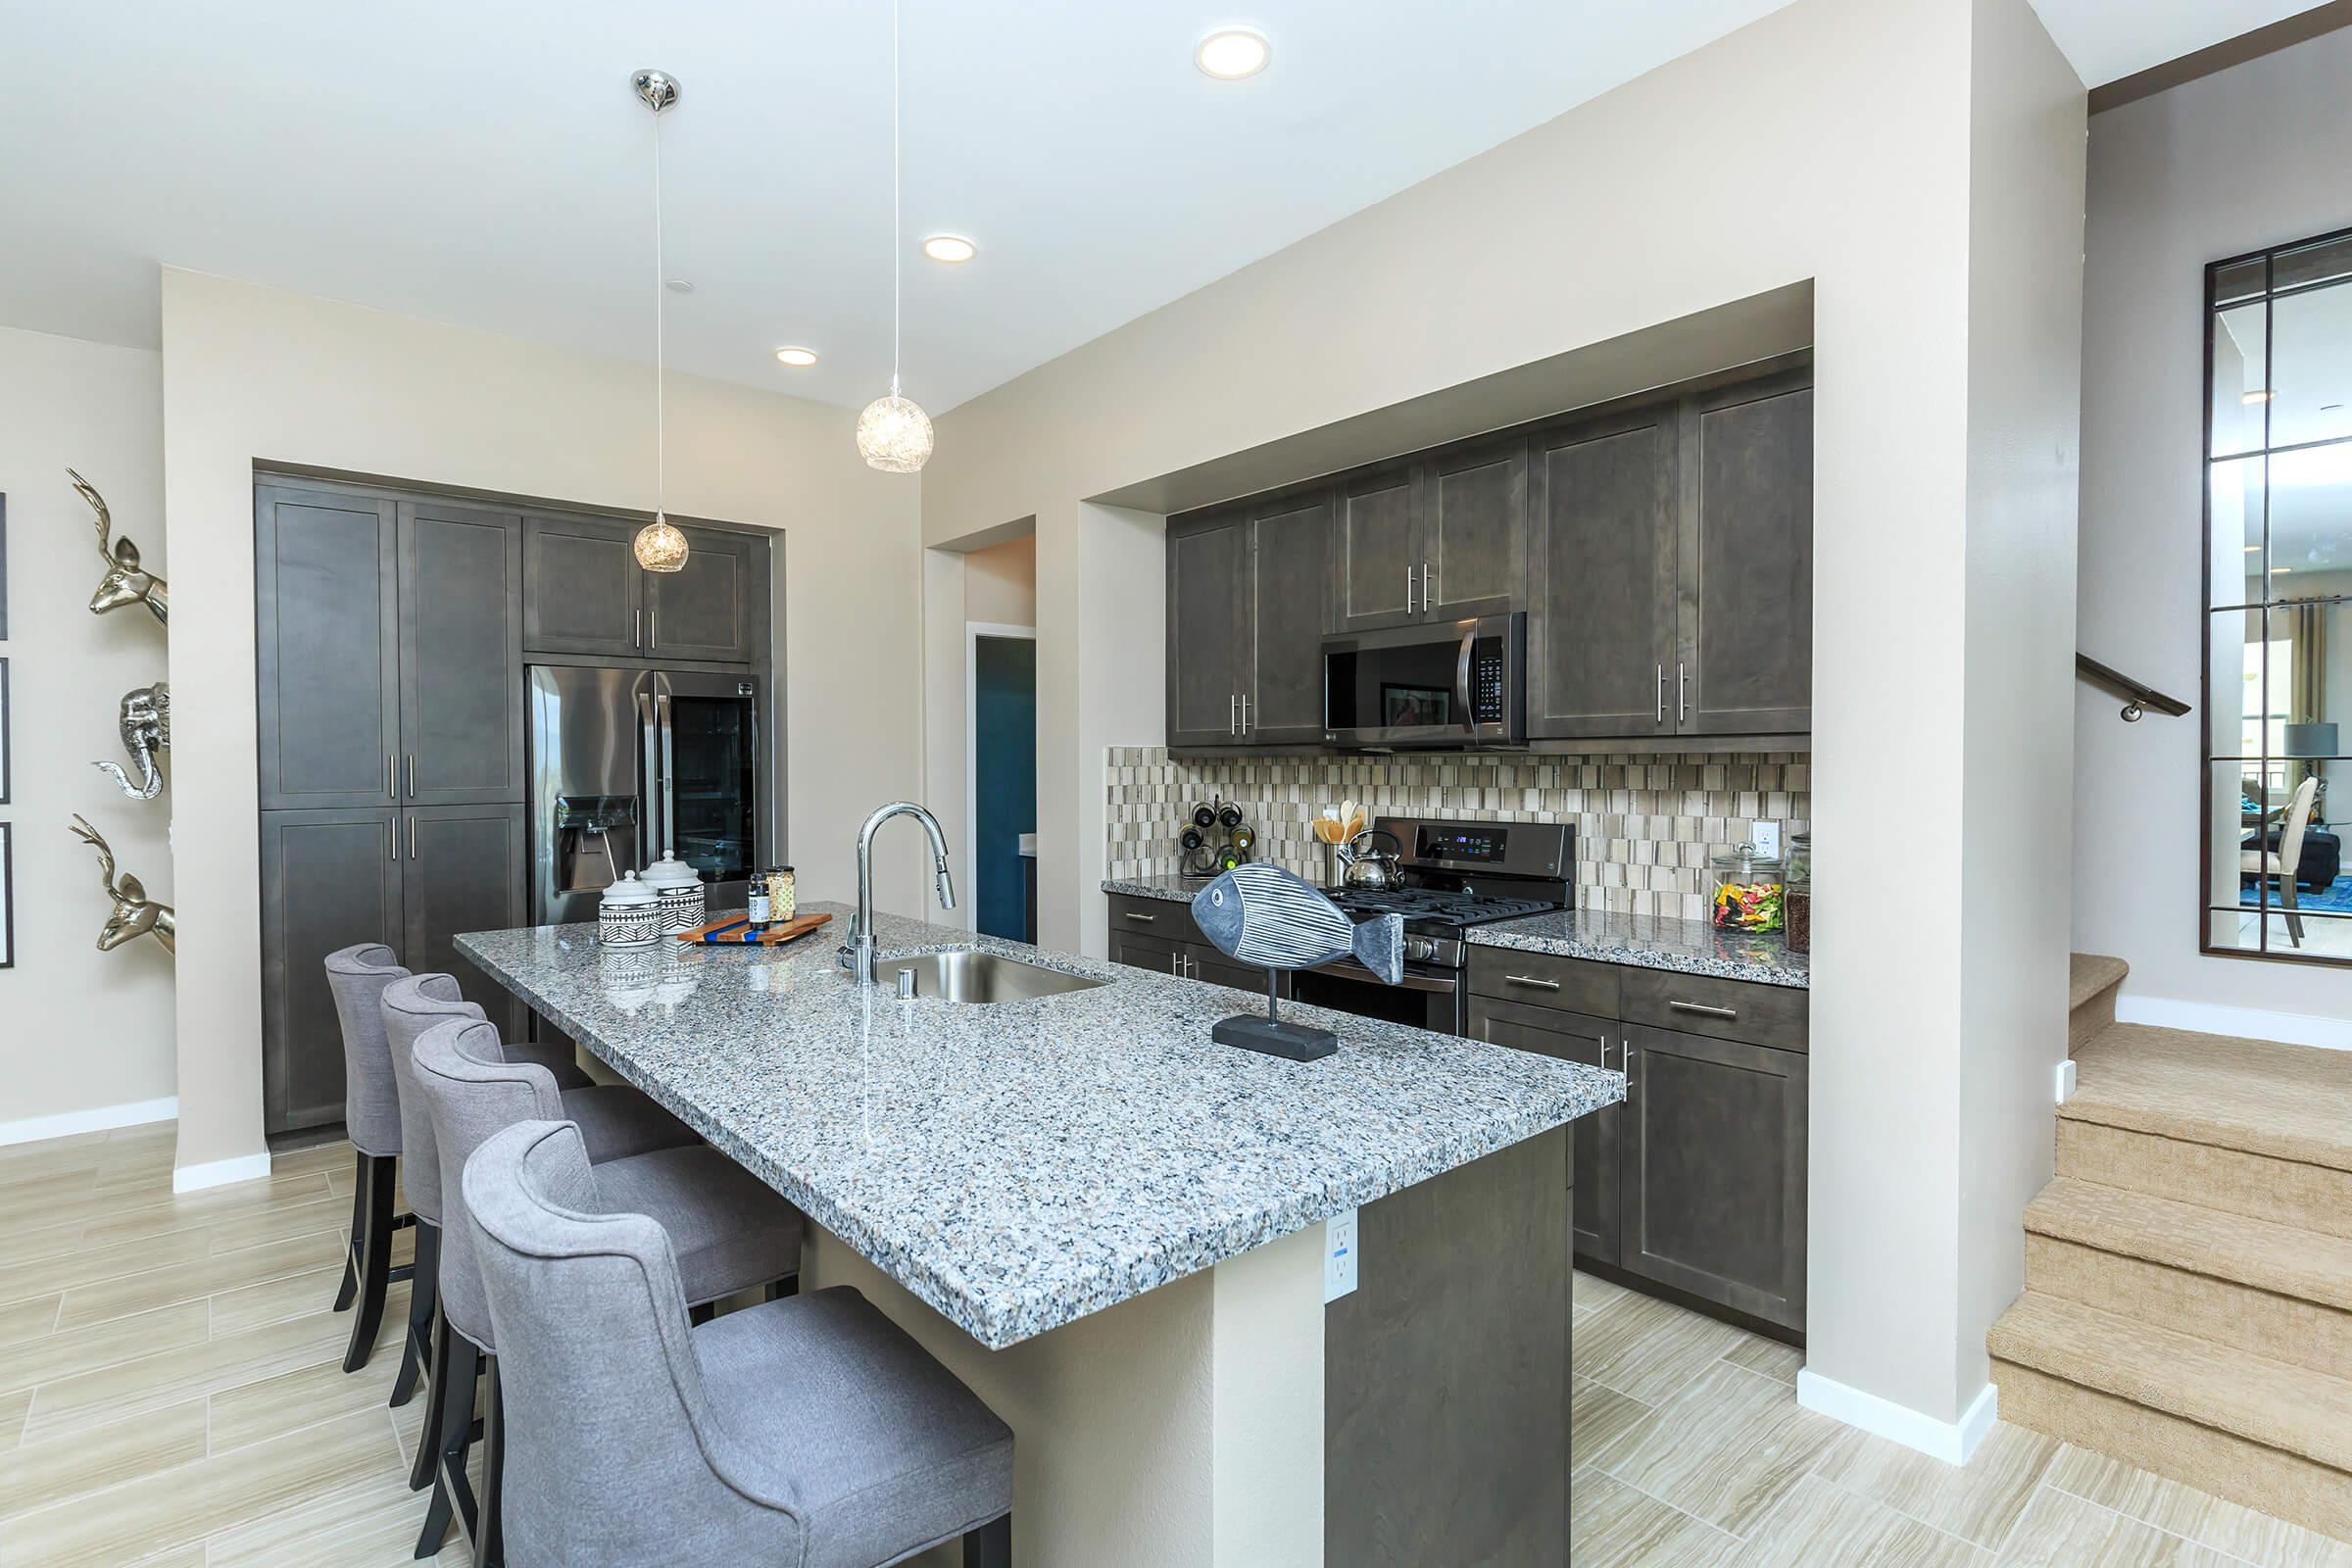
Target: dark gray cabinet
(1594,1140)
(1601,627)
(1376,550)
(583,591)
(461,654)
(708,608)
(1159,933)
(1714,1170)
(1474,535)
(1745,587)
(461,869)
(329,879)
(1209,644)
(1289,577)
(327,653)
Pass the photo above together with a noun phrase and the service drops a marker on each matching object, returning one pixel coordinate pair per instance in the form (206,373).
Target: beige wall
(999,583)
(258,375)
(2251,156)
(1831,141)
(82,1032)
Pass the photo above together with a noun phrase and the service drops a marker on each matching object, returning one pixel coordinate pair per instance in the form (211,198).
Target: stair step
(2282,1192)
(2267,1256)
(2257,1097)
(2093,983)
(2290,1408)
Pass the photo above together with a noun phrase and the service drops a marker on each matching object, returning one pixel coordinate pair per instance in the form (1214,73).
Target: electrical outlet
(1339,1255)
(1766,836)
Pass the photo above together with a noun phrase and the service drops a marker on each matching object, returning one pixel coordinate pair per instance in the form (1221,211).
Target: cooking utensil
(1371,867)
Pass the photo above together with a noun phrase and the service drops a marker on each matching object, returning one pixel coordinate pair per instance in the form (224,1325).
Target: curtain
(2307,678)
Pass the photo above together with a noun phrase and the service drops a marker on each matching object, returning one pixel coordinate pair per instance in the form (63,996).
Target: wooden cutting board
(736,932)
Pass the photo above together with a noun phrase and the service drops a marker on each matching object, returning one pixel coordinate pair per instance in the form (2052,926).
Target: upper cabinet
(1474,533)
(1290,576)
(326,648)
(1209,639)
(1601,628)
(461,654)
(1376,550)
(1747,563)
(586,595)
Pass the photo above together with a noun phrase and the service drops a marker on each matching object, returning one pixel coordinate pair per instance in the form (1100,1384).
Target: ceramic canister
(630,915)
(679,888)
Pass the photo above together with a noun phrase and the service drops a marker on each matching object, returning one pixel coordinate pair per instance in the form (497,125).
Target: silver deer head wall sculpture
(123,583)
(134,913)
(146,730)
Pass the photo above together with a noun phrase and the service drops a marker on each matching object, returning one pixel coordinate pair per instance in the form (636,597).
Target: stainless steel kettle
(1368,867)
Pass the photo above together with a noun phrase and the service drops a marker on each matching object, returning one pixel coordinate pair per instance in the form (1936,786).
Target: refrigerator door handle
(669,840)
(649,757)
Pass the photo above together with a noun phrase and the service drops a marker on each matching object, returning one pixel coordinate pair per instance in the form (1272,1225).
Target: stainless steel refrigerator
(626,764)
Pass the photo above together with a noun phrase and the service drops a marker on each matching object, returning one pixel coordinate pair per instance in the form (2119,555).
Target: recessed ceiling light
(678,285)
(2260,394)
(797,356)
(1230,53)
(949,248)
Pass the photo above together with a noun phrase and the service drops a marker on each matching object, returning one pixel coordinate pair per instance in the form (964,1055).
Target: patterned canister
(630,915)
(782,895)
(679,887)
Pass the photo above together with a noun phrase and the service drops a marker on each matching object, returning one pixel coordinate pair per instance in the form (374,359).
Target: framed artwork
(1400,706)
(8,897)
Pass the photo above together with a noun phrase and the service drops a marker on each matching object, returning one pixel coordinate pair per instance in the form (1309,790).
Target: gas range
(1456,875)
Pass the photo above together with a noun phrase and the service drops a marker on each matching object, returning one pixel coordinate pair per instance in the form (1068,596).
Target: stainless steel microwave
(1452,684)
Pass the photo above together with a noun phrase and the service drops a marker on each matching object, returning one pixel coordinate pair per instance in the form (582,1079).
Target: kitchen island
(1114,1231)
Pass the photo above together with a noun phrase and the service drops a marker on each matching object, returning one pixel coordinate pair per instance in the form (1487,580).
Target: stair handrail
(2138,697)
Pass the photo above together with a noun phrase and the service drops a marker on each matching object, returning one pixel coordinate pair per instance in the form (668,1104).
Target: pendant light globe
(893,434)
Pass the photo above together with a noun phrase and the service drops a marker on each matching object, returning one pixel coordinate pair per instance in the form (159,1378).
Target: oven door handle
(1350,969)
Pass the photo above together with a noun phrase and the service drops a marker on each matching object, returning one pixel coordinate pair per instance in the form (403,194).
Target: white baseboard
(2252,1023)
(221,1172)
(97,1119)
(1952,1442)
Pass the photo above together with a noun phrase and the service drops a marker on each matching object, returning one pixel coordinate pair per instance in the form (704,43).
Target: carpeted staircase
(2188,1273)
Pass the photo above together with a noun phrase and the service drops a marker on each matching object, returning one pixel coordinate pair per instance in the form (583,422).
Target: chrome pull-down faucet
(857,953)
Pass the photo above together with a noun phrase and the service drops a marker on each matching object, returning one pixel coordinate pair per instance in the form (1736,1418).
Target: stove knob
(1420,950)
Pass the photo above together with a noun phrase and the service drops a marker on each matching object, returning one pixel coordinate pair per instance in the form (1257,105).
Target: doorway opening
(1001,752)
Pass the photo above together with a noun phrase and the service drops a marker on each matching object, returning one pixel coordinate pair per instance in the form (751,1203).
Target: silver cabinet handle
(1148,919)
(1425,585)
(1232,709)
(412,775)
(1661,693)
(1409,590)
(1176,963)
(1681,683)
(391,778)
(653,629)
(1245,713)
(1531,982)
(411,836)
(1701,1010)
(392,840)
(637,633)
(1192,968)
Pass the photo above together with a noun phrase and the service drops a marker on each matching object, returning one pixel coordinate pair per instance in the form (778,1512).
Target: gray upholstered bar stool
(730,1231)
(356,976)
(623,1120)
(811,1431)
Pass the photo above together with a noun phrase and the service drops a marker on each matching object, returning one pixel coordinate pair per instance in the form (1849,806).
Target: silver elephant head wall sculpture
(123,583)
(134,913)
(146,730)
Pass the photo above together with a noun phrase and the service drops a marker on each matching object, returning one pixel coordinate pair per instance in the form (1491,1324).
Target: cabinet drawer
(1576,985)
(1162,919)
(1720,1009)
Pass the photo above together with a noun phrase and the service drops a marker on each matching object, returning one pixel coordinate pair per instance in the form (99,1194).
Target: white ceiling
(486,163)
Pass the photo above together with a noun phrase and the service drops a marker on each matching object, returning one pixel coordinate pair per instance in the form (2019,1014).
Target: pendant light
(894,433)
(658,545)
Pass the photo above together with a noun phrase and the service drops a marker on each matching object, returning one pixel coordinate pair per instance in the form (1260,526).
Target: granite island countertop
(1022,1164)
(1644,940)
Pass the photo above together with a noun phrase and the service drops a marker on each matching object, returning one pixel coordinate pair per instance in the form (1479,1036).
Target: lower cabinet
(1592,1140)
(409,878)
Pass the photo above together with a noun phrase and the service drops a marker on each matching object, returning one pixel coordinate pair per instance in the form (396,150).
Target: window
(2278,603)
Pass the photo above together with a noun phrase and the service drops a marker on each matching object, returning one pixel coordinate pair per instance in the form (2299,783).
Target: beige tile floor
(1691,1452)
(171,1395)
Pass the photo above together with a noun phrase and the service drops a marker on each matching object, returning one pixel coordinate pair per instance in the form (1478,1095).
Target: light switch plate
(1766,836)
(1339,1255)
(2066,1080)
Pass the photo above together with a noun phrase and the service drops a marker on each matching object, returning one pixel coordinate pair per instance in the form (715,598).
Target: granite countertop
(1645,941)
(1023,1164)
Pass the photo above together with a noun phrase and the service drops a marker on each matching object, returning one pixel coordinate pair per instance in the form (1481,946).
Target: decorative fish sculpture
(1271,918)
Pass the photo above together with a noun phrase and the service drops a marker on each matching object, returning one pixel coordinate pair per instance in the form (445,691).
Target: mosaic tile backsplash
(1645,826)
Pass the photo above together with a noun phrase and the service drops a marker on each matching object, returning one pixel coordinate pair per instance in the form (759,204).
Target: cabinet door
(1376,552)
(582,591)
(1147,953)
(1600,635)
(1593,1139)
(1714,1171)
(1747,565)
(1290,576)
(706,610)
(1207,964)
(1474,545)
(327,653)
(1208,605)
(329,879)
(463,870)
(461,654)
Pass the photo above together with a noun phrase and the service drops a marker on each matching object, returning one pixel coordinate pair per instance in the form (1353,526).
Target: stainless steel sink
(968,975)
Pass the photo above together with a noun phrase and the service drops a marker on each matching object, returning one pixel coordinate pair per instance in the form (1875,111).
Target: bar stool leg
(436,1402)
(358,1217)
(425,1295)
(489,1544)
(990,1545)
(374,1248)
(452,1494)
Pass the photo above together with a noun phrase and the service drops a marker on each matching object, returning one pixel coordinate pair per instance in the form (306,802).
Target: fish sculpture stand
(1267,917)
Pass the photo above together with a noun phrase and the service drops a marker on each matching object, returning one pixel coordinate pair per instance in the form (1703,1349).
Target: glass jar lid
(1746,865)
